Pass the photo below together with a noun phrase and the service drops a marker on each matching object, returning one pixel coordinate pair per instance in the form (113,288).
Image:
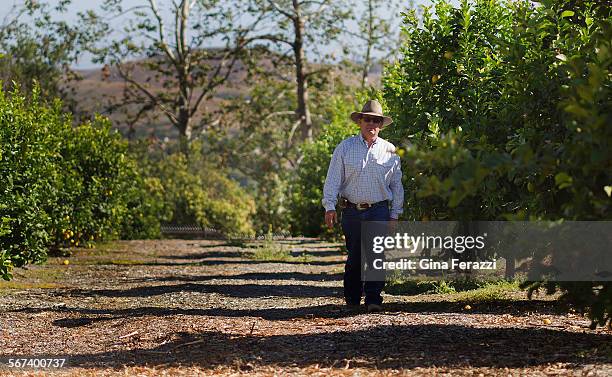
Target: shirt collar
(364,142)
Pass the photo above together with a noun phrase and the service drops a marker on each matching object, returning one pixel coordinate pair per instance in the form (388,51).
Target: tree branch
(241,42)
(317,71)
(270,37)
(213,82)
(126,77)
(322,6)
(162,38)
(280,10)
(124,12)
(287,112)
(289,141)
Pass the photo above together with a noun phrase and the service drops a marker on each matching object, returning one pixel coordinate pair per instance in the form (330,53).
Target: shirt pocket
(385,169)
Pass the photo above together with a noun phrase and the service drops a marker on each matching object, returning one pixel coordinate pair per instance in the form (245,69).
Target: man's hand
(392,225)
(330,218)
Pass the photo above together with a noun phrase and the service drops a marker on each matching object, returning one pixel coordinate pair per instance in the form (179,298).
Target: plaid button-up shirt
(364,175)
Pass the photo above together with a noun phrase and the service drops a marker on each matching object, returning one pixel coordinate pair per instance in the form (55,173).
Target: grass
(99,249)
(273,251)
(277,254)
(27,285)
(270,254)
(461,290)
(35,277)
(46,273)
(495,291)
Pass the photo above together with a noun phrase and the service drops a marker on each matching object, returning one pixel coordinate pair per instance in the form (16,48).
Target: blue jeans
(354,287)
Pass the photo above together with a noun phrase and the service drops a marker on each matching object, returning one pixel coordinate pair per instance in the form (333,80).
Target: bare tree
(175,47)
(299,26)
(377,33)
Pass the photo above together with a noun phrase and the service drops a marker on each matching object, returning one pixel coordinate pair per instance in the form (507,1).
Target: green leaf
(584,93)
(456,197)
(567,13)
(577,110)
(563,180)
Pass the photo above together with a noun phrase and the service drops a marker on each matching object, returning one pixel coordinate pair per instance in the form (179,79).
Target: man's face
(370,125)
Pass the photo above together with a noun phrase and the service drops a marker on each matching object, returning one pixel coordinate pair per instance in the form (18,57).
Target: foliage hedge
(70,186)
(61,185)
(504,111)
(190,189)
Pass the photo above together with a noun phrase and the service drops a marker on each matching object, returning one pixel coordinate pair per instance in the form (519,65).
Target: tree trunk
(510,268)
(184,113)
(184,126)
(367,63)
(303,113)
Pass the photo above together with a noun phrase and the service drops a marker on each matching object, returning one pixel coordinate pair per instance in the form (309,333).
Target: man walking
(365,172)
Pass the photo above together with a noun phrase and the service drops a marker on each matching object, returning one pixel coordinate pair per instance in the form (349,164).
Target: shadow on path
(383,347)
(245,254)
(215,262)
(297,276)
(233,290)
(208,254)
(517,308)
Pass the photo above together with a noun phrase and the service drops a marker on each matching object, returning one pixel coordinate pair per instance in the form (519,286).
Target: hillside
(101,87)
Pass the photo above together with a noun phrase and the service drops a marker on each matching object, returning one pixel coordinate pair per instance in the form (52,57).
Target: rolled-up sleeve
(397,202)
(333,181)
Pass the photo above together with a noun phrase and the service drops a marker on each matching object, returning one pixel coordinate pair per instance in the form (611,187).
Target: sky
(82,5)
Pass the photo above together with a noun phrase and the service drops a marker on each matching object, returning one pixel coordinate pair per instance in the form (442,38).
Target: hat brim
(386,120)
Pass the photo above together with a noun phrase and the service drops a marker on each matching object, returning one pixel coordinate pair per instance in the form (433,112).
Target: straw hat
(372,107)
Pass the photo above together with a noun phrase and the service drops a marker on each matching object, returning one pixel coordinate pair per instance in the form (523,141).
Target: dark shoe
(374,308)
(352,304)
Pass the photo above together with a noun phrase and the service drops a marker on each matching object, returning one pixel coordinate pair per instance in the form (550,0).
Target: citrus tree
(189,189)
(503,109)
(62,185)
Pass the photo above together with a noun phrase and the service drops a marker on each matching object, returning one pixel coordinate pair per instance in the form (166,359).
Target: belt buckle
(343,203)
(363,206)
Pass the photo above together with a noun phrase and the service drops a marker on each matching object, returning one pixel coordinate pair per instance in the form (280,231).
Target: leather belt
(361,206)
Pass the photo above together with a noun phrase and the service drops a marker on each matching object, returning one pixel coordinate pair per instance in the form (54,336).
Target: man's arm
(397,203)
(333,181)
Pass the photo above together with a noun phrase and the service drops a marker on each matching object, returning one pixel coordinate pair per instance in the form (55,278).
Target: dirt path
(185,307)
